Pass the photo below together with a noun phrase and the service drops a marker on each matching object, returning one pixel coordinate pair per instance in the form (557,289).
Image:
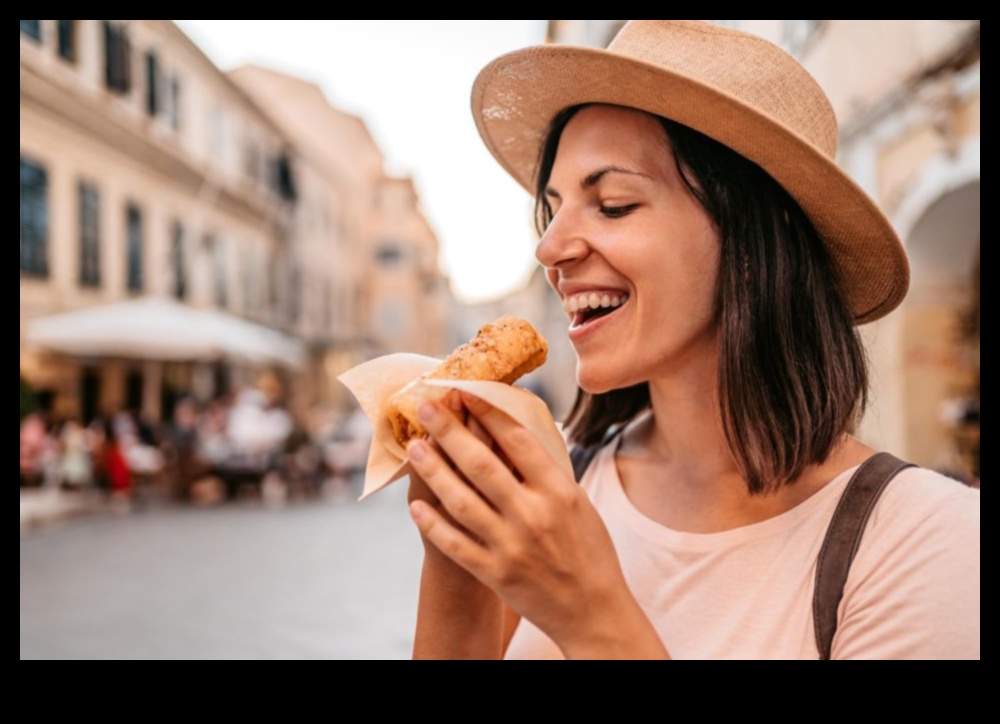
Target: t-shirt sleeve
(913,592)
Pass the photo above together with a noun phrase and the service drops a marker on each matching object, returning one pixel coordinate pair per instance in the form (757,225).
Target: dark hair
(793,375)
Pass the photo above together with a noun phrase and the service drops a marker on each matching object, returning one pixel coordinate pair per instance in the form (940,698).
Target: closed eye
(616,212)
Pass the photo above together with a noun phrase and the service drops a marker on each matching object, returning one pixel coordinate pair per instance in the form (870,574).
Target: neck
(685,431)
(679,470)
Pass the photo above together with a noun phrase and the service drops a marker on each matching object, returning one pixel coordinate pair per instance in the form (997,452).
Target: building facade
(907,97)
(147,172)
(388,256)
(133,184)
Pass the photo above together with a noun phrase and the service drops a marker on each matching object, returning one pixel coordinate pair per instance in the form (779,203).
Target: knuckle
(451,547)
(479,467)
(442,425)
(460,506)
(520,440)
(568,498)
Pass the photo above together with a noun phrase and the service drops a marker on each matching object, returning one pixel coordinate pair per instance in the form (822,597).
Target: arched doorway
(940,370)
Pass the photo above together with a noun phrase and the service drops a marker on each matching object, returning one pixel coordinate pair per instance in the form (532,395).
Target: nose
(562,244)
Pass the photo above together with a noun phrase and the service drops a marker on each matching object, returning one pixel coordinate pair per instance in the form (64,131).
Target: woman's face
(628,238)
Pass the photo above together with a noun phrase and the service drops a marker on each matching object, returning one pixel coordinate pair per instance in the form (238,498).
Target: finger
(462,502)
(517,443)
(446,538)
(472,457)
(453,401)
(479,432)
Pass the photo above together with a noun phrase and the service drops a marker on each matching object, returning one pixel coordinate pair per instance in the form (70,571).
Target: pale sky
(411,81)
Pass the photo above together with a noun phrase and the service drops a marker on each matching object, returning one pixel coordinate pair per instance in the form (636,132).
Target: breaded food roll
(503,351)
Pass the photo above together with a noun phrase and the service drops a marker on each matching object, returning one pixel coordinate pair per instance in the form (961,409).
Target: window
(217,249)
(389,254)
(90,235)
(178,262)
(282,179)
(251,161)
(799,34)
(218,131)
(174,106)
(134,249)
(34,220)
(117,58)
(67,39)
(251,285)
(295,294)
(32,28)
(152,84)
(273,285)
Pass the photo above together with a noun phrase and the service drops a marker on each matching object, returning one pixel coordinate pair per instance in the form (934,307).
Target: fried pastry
(502,351)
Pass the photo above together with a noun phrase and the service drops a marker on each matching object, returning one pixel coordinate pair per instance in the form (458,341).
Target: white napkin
(374,382)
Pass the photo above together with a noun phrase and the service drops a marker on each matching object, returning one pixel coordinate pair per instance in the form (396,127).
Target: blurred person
(76,467)
(714,263)
(116,465)
(37,450)
(300,465)
(141,447)
(214,446)
(247,427)
(181,447)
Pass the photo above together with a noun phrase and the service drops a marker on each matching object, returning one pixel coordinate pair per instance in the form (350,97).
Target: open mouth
(586,309)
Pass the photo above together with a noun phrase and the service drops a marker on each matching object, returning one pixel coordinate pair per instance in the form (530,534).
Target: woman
(713,267)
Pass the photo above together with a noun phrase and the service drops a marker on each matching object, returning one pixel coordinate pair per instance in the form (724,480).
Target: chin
(596,381)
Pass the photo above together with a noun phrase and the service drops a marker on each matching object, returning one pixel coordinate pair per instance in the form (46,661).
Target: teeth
(593,300)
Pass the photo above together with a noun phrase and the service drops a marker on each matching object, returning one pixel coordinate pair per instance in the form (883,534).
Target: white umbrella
(163,330)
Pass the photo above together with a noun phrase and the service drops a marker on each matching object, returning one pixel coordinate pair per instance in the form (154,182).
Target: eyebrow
(595,178)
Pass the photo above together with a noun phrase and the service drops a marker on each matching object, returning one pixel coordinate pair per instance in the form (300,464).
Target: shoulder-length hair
(793,375)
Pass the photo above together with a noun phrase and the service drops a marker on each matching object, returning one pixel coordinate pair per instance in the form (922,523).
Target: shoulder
(913,591)
(922,500)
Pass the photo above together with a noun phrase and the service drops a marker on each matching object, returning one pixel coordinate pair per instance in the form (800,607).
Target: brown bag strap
(843,538)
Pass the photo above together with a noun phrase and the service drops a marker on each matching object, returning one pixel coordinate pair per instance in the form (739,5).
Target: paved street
(309,581)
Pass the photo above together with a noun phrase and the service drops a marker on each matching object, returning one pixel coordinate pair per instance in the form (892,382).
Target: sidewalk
(42,507)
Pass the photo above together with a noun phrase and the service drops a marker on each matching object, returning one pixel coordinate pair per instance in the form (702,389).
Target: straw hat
(737,88)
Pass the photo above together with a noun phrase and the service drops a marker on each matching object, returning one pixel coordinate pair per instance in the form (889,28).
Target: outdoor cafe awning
(163,330)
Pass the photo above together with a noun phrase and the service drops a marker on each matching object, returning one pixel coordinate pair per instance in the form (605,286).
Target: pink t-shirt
(746,594)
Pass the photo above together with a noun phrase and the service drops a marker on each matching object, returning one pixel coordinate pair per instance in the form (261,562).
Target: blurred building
(389,293)
(148,173)
(907,96)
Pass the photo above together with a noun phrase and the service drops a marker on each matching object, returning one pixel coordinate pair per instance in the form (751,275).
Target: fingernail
(417,511)
(417,451)
(427,412)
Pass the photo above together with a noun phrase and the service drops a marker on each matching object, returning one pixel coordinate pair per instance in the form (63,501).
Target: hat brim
(515,98)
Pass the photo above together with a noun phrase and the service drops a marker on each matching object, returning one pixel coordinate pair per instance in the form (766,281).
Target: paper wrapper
(373,383)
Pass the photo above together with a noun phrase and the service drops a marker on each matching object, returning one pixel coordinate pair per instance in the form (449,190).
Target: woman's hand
(527,532)
(458,617)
